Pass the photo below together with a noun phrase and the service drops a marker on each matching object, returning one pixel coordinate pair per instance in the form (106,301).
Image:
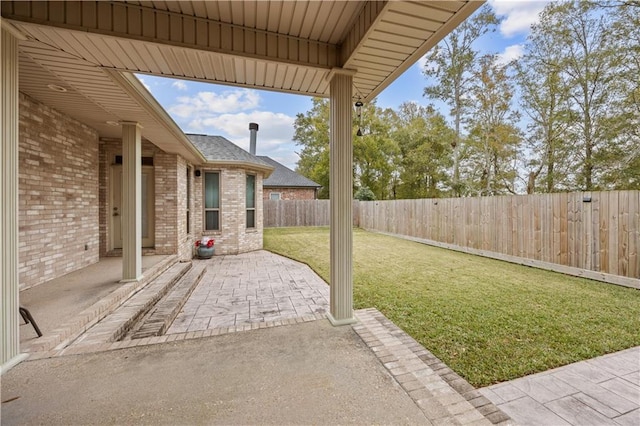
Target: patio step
(115,326)
(156,322)
(83,321)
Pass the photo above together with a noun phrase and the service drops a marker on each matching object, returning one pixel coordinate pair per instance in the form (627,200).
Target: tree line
(565,116)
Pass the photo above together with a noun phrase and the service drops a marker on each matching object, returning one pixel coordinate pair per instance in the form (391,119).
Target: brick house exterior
(285,184)
(57,193)
(67,213)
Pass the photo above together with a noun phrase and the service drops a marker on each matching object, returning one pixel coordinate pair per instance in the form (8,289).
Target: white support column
(341,194)
(131,202)
(9,325)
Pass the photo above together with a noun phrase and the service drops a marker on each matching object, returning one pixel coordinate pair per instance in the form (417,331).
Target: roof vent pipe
(253,129)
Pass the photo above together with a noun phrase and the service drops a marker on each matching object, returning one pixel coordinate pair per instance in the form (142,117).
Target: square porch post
(131,201)
(341,194)
(9,273)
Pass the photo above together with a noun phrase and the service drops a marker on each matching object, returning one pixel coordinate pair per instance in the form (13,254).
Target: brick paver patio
(251,288)
(599,391)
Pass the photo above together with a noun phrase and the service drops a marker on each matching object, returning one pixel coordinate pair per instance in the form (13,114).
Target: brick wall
(169,171)
(58,194)
(291,193)
(234,237)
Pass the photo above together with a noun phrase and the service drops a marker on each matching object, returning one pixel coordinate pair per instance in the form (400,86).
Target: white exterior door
(148,207)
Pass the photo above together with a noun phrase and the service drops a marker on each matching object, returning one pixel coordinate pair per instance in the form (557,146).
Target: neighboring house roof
(285,177)
(220,150)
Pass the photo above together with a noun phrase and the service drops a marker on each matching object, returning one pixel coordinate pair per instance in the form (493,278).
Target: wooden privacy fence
(594,231)
(591,231)
(284,213)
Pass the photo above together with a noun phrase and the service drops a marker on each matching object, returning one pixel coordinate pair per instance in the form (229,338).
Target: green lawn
(490,321)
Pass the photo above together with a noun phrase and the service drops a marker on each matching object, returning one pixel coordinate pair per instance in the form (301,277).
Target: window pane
(251,191)
(212,221)
(212,190)
(275,196)
(251,218)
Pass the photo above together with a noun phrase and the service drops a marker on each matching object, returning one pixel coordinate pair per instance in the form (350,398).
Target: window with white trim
(251,201)
(211,201)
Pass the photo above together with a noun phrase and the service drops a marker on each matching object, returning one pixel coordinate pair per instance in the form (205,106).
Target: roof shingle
(218,148)
(284,177)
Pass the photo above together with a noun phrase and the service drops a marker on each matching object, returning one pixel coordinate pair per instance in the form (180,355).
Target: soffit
(95,96)
(276,45)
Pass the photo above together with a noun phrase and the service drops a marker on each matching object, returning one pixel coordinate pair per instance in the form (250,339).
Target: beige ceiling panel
(368,51)
(383,45)
(448,5)
(395,38)
(423,10)
(382,61)
(239,71)
(411,21)
(270,74)
(229,70)
(297,18)
(402,34)
(298,80)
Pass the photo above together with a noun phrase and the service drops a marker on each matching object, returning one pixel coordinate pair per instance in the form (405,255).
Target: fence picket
(601,235)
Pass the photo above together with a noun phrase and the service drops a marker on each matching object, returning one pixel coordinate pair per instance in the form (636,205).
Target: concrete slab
(310,373)
(603,390)
(57,301)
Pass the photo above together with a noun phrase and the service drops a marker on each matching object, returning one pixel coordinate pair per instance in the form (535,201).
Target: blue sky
(227,111)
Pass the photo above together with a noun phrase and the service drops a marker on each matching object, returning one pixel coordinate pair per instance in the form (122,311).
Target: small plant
(208,243)
(364,194)
(205,248)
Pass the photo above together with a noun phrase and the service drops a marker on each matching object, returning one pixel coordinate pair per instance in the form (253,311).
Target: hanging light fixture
(359,115)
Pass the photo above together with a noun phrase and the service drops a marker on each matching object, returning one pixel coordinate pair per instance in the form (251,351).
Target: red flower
(209,243)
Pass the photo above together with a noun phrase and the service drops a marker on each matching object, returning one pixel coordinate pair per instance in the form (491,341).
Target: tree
(312,133)
(545,101)
(451,64)
(425,143)
(587,65)
(494,137)
(624,163)
(364,194)
(374,153)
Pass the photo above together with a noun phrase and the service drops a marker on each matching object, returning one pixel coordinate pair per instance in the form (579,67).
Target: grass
(490,321)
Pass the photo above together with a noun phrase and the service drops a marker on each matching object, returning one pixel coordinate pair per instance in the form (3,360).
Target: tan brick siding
(234,237)
(58,194)
(169,171)
(291,193)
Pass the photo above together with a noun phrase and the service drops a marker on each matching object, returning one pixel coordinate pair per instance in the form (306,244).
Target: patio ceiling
(90,48)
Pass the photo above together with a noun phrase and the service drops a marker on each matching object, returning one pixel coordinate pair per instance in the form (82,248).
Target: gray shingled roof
(217,148)
(284,177)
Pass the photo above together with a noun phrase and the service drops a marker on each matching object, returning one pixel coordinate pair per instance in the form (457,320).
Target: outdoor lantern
(359,115)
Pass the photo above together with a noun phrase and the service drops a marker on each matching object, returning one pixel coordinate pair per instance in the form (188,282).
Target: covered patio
(253,347)
(346,51)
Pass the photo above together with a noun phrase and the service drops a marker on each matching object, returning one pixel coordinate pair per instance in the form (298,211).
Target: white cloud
(510,53)
(422,62)
(215,103)
(518,15)
(180,85)
(276,129)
